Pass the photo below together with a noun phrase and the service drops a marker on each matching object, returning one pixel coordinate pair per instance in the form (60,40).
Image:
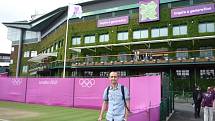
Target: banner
(149,10)
(89,91)
(113,21)
(13,89)
(50,91)
(192,10)
(145,92)
(74,11)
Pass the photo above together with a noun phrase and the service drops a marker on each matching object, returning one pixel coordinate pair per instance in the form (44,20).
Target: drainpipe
(19,53)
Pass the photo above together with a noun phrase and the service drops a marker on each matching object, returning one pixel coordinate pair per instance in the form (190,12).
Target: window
(104,38)
(122,36)
(13,34)
(76,41)
(104,74)
(56,46)
(206,27)
(88,73)
(159,32)
(207,74)
(182,74)
(25,69)
(180,30)
(12,49)
(182,53)
(89,39)
(27,54)
(206,52)
(33,53)
(122,73)
(31,35)
(11,61)
(140,34)
(52,49)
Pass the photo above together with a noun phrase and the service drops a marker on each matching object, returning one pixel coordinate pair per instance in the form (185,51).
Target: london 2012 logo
(87,82)
(16,82)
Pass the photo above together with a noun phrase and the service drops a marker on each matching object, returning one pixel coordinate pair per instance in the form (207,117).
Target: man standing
(207,103)
(197,98)
(118,106)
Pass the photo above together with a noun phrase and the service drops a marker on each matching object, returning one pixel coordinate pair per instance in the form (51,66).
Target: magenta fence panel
(50,91)
(13,89)
(145,95)
(89,91)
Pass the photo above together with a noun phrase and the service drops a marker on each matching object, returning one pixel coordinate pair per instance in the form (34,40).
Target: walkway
(184,112)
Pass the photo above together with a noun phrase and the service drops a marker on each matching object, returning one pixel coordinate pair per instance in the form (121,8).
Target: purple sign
(149,10)
(113,21)
(193,10)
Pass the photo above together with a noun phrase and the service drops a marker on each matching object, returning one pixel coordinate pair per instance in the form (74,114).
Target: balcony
(143,59)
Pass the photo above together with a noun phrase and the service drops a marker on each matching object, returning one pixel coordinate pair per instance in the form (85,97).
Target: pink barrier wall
(50,91)
(89,91)
(3,74)
(12,89)
(145,93)
(145,98)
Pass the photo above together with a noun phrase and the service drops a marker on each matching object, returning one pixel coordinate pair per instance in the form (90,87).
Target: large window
(122,36)
(182,53)
(31,35)
(206,52)
(76,41)
(140,34)
(27,54)
(33,53)
(206,27)
(25,69)
(207,74)
(182,74)
(180,30)
(104,38)
(89,39)
(160,32)
(14,34)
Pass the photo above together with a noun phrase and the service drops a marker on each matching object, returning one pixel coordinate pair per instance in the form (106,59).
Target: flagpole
(65,47)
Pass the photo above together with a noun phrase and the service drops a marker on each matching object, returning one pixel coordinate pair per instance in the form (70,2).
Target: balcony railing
(191,56)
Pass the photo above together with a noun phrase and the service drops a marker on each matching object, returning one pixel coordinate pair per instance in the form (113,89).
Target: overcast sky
(19,10)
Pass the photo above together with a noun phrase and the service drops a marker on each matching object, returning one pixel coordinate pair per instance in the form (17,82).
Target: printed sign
(113,21)
(193,10)
(149,10)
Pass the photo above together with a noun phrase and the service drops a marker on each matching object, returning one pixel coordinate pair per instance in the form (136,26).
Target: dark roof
(39,23)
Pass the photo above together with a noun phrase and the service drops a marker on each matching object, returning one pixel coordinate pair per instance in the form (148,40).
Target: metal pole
(19,54)
(65,48)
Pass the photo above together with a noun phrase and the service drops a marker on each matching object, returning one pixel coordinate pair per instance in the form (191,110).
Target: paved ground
(184,112)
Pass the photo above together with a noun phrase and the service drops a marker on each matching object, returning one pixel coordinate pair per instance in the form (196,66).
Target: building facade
(131,37)
(4,64)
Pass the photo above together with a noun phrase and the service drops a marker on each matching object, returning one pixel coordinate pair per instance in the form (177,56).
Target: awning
(42,56)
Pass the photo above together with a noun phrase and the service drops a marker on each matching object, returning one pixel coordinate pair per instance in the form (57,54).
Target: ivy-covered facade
(182,46)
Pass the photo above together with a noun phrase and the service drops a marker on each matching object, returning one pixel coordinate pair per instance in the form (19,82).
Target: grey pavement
(185,112)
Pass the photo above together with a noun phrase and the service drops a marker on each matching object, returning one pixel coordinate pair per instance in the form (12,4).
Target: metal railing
(167,57)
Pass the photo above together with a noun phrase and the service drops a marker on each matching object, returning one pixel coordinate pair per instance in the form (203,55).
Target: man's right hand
(100,119)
